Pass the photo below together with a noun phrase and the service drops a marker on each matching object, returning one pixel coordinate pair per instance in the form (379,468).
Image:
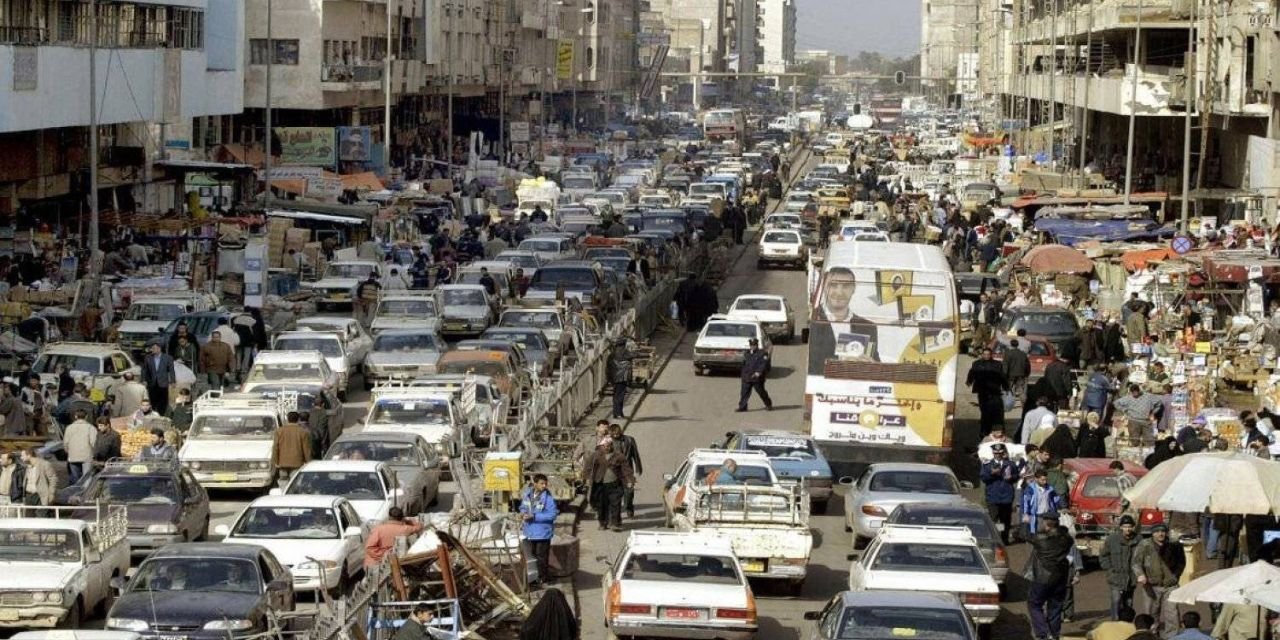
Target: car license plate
(171,638)
(8,615)
(454,326)
(682,614)
(753,566)
(341,296)
(224,477)
(728,352)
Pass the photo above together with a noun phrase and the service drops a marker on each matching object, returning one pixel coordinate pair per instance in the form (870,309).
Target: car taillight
(982,598)
(635,609)
(1001,555)
(1084,516)
(873,510)
(1152,517)
(735,614)
(790,561)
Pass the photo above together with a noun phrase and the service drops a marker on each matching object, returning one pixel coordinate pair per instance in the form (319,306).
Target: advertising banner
(354,144)
(312,146)
(564,59)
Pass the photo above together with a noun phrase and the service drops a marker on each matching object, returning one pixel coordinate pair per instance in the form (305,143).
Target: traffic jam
(867,408)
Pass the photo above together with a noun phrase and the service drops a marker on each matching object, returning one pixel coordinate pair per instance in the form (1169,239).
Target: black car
(165,502)
(1054,325)
(201,590)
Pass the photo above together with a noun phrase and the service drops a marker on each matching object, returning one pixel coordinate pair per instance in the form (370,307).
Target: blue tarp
(1072,232)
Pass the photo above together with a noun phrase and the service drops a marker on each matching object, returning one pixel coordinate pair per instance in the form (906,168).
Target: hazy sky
(890,27)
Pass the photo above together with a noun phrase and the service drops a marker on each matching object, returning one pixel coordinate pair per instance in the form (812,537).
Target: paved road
(684,411)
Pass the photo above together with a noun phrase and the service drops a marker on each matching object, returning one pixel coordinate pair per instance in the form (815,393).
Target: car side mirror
(847,481)
(352,532)
(118,583)
(92,556)
(279,586)
(812,615)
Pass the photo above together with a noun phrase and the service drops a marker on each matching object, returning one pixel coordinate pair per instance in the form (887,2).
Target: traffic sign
(1182,244)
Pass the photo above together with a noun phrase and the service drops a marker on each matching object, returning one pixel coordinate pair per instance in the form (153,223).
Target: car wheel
(204,530)
(336,592)
(819,506)
(72,619)
(697,371)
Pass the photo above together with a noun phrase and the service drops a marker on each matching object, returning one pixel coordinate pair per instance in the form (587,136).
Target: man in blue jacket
(1039,500)
(999,475)
(538,510)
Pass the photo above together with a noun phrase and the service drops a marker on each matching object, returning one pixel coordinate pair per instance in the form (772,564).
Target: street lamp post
(705,24)
(1133,106)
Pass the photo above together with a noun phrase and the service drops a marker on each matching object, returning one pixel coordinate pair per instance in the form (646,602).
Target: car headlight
(194,465)
(167,528)
(53,597)
(228,624)
(263,465)
(815,473)
(311,565)
(127,624)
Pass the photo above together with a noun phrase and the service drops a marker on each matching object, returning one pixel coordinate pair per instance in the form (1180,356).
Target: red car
(1096,504)
(1041,353)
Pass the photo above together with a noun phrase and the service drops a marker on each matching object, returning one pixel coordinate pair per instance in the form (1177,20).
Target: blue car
(794,458)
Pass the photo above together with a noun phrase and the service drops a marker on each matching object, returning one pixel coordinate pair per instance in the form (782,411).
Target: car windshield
(133,490)
(779,446)
(523,261)
(353,485)
(546,320)
(387,343)
(976,522)
(407,308)
(702,189)
(39,545)
(611,252)
(667,567)
(914,482)
(232,575)
(398,411)
(330,347)
(49,363)
(284,371)
(312,523)
(151,312)
(928,557)
(527,339)
(234,427)
(463,298)
(730,330)
(866,623)
(758,304)
(359,271)
(395,453)
(782,237)
(574,182)
(1044,324)
(551,277)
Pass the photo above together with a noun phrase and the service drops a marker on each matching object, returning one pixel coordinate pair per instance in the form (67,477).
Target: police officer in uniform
(755,368)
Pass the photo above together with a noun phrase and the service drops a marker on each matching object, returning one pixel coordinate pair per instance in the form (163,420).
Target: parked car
(884,486)
(1055,325)
(203,591)
(890,613)
(1096,503)
(678,585)
(371,486)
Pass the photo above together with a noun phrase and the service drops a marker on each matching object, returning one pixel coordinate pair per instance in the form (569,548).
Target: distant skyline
(888,27)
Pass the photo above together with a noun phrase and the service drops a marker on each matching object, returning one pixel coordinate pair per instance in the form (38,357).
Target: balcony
(1159,90)
(350,77)
(1107,15)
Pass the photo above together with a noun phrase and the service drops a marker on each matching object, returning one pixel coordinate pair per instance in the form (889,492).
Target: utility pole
(1053,86)
(1133,105)
(1190,69)
(266,157)
(448,59)
(93,133)
(386,115)
(1084,115)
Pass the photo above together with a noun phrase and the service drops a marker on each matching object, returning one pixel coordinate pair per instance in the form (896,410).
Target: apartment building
(777,34)
(163,70)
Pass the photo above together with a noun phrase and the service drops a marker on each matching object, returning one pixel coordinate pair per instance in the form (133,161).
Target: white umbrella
(1235,483)
(1264,595)
(1228,586)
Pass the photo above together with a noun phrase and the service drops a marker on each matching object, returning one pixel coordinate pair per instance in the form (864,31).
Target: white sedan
(932,558)
(320,538)
(370,486)
(782,246)
(723,343)
(772,312)
(671,584)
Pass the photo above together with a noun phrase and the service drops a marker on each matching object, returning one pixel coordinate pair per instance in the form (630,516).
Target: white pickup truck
(60,569)
(231,440)
(768,526)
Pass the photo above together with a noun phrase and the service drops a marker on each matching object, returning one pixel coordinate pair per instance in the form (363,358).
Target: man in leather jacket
(1049,572)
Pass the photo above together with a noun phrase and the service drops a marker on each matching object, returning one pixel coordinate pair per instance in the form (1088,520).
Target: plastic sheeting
(1072,232)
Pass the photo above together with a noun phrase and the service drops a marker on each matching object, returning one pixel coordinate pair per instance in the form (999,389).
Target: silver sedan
(882,487)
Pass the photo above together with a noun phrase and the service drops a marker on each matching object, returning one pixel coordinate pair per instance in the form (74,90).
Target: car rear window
(1102,487)
(780,236)
(931,558)
(758,304)
(913,482)
(683,567)
(865,623)
(976,524)
(730,330)
(1044,323)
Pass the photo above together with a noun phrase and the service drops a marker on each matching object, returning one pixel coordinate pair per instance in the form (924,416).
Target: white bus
(883,346)
(724,124)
